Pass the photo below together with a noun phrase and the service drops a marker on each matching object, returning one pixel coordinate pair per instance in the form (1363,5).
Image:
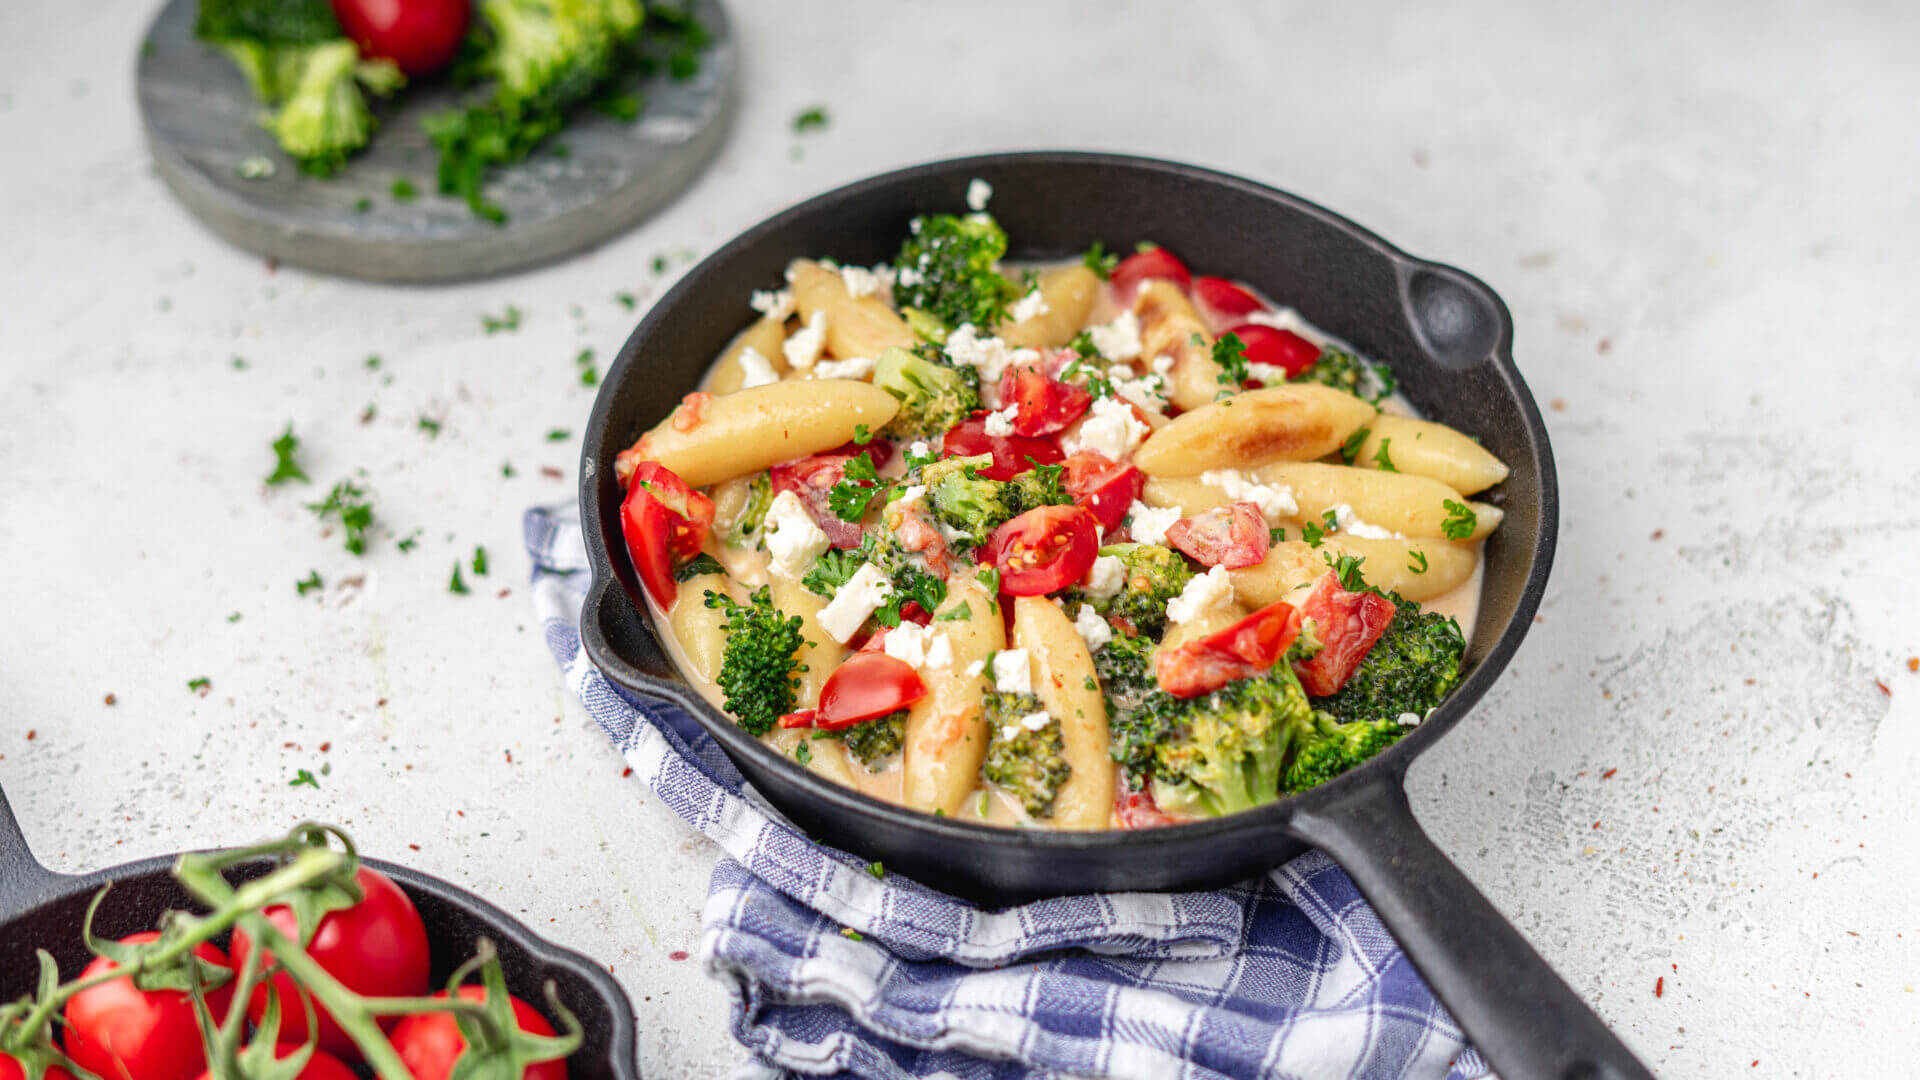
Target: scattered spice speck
(1884,688)
(677,954)
(431,426)
(201,685)
(1608,775)
(307,584)
(458,585)
(1660,986)
(814,119)
(303,777)
(559,434)
(110,699)
(404,191)
(552,473)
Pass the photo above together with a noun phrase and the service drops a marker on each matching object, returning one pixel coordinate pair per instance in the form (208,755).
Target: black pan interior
(1446,335)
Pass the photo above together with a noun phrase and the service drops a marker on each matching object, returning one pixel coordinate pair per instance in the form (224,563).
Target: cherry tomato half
(663,520)
(1227,300)
(1348,623)
(1042,406)
(1147,265)
(1246,648)
(377,947)
(321,1066)
(866,686)
(1281,348)
(1233,536)
(1102,486)
(1012,454)
(421,36)
(118,1031)
(429,1043)
(1137,809)
(1043,550)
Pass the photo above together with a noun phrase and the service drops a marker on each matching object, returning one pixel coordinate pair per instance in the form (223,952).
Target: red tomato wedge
(802,719)
(1233,536)
(1137,809)
(1043,550)
(1147,265)
(430,1043)
(118,1031)
(663,520)
(1042,406)
(421,36)
(1248,647)
(1281,348)
(1102,486)
(1347,623)
(1227,300)
(866,686)
(812,480)
(1012,454)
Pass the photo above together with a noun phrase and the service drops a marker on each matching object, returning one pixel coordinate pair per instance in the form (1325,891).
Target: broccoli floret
(1125,669)
(1344,371)
(759,671)
(872,740)
(1410,669)
(946,269)
(549,56)
(1325,748)
(1031,765)
(268,22)
(1042,485)
(745,530)
(1154,574)
(912,583)
(966,501)
(934,395)
(1230,747)
(325,117)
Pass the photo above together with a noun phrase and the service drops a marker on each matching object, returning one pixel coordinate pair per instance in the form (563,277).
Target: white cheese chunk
(1149,523)
(1204,592)
(793,540)
(1106,576)
(1030,306)
(1148,391)
(920,646)
(853,367)
(978,192)
(774,305)
(988,355)
(1118,340)
(1000,424)
(1035,721)
(1408,719)
(843,616)
(1351,524)
(1275,503)
(860,281)
(1011,673)
(1110,428)
(977,668)
(1093,629)
(803,348)
(755,369)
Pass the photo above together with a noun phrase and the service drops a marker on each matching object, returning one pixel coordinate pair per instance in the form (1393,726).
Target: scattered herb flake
(1276,536)
(659,264)
(303,777)
(1460,520)
(362,204)
(1101,261)
(814,119)
(408,542)
(480,561)
(559,434)
(625,300)
(876,870)
(373,362)
(458,585)
(589,377)
(307,584)
(284,467)
(1350,450)
(404,191)
(1381,459)
(508,320)
(506,470)
(239,363)
(347,502)
(862,435)
(431,426)
(1231,354)
(803,752)
(200,685)
(235,617)
(961,610)
(851,934)
(1419,565)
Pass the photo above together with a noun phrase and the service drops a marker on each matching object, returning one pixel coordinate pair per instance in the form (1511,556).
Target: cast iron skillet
(1447,337)
(40,909)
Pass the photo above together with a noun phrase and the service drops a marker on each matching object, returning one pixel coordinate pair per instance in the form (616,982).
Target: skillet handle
(21,876)
(1520,1014)
(618,638)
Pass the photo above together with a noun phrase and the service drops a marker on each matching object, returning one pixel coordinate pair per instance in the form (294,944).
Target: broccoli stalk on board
(934,395)
(294,56)
(947,269)
(873,740)
(759,671)
(1152,575)
(1030,764)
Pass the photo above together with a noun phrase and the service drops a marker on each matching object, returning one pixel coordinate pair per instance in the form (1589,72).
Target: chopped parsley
(458,585)
(506,470)
(235,617)
(876,870)
(862,435)
(589,375)
(1097,384)
(1101,261)
(479,561)
(1231,354)
(1419,566)
(625,300)
(803,752)
(303,777)
(814,119)
(431,426)
(559,434)
(851,497)
(307,584)
(284,467)
(1460,520)
(408,541)
(659,264)
(404,191)
(239,363)
(1276,536)
(1350,450)
(702,563)
(1316,532)
(1381,459)
(362,204)
(373,362)
(347,502)
(509,320)
(961,610)
(200,685)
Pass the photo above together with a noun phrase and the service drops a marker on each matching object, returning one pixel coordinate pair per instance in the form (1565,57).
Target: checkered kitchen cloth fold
(1290,975)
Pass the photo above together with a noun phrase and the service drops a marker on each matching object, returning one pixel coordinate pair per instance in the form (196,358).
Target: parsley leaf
(458,585)
(1350,450)
(803,753)
(850,499)
(1460,520)
(1381,459)
(480,561)
(431,426)
(814,119)
(876,870)
(862,435)
(408,541)
(303,777)
(1421,568)
(1231,354)
(702,563)
(1316,532)
(962,610)
(308,583)
(284,467)
(347,502)
(1099,260)
(625,300)
(1276,536)
(509,320)
(200,685)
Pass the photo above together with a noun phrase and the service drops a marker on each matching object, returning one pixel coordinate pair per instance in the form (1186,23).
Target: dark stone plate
(202,124)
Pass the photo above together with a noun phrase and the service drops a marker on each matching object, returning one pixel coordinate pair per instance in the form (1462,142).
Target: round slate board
(202,122)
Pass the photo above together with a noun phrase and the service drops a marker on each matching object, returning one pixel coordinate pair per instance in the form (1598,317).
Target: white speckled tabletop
(1694,792)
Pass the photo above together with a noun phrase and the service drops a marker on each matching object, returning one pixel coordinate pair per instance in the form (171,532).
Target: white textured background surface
(1705,223)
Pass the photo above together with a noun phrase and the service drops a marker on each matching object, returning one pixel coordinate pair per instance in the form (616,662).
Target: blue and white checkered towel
(1290,975)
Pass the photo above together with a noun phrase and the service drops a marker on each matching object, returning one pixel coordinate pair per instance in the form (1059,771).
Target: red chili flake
(677,954)
(413,847)
(1882,684)
(1913,663)
(1559,405)
(552,473)
(1596,824)
(32,734)
(509,757)
(325,747)
(110,699)
(1605,345)
(382,703)
(1660,986)
(1608,775)
(1658,533)
(503,594)
(626,772)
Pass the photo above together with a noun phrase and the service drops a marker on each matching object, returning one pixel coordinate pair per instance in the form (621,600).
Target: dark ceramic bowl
(1447,337)
(40,909)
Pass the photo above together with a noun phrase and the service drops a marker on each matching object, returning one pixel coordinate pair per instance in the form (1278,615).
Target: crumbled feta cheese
(755,369)
(1011,673)
(1275,503)
(978,192)
(1205,591)
(1110,428)
(793,540)
(988,355)
(1000,424)
(919,646)
(1030,306)
(1106,576)
(853,367)
(774,305)
(1149,524)
(1162,365)
(918,449)
(1408,719)
(1268,374)
(1119,339)
(860,281)
(1147,391)
(803,348)
(1035,721)
(909,494)
(1351,524)
(977,668)
(910,276)
(867,589)
(1093,629)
